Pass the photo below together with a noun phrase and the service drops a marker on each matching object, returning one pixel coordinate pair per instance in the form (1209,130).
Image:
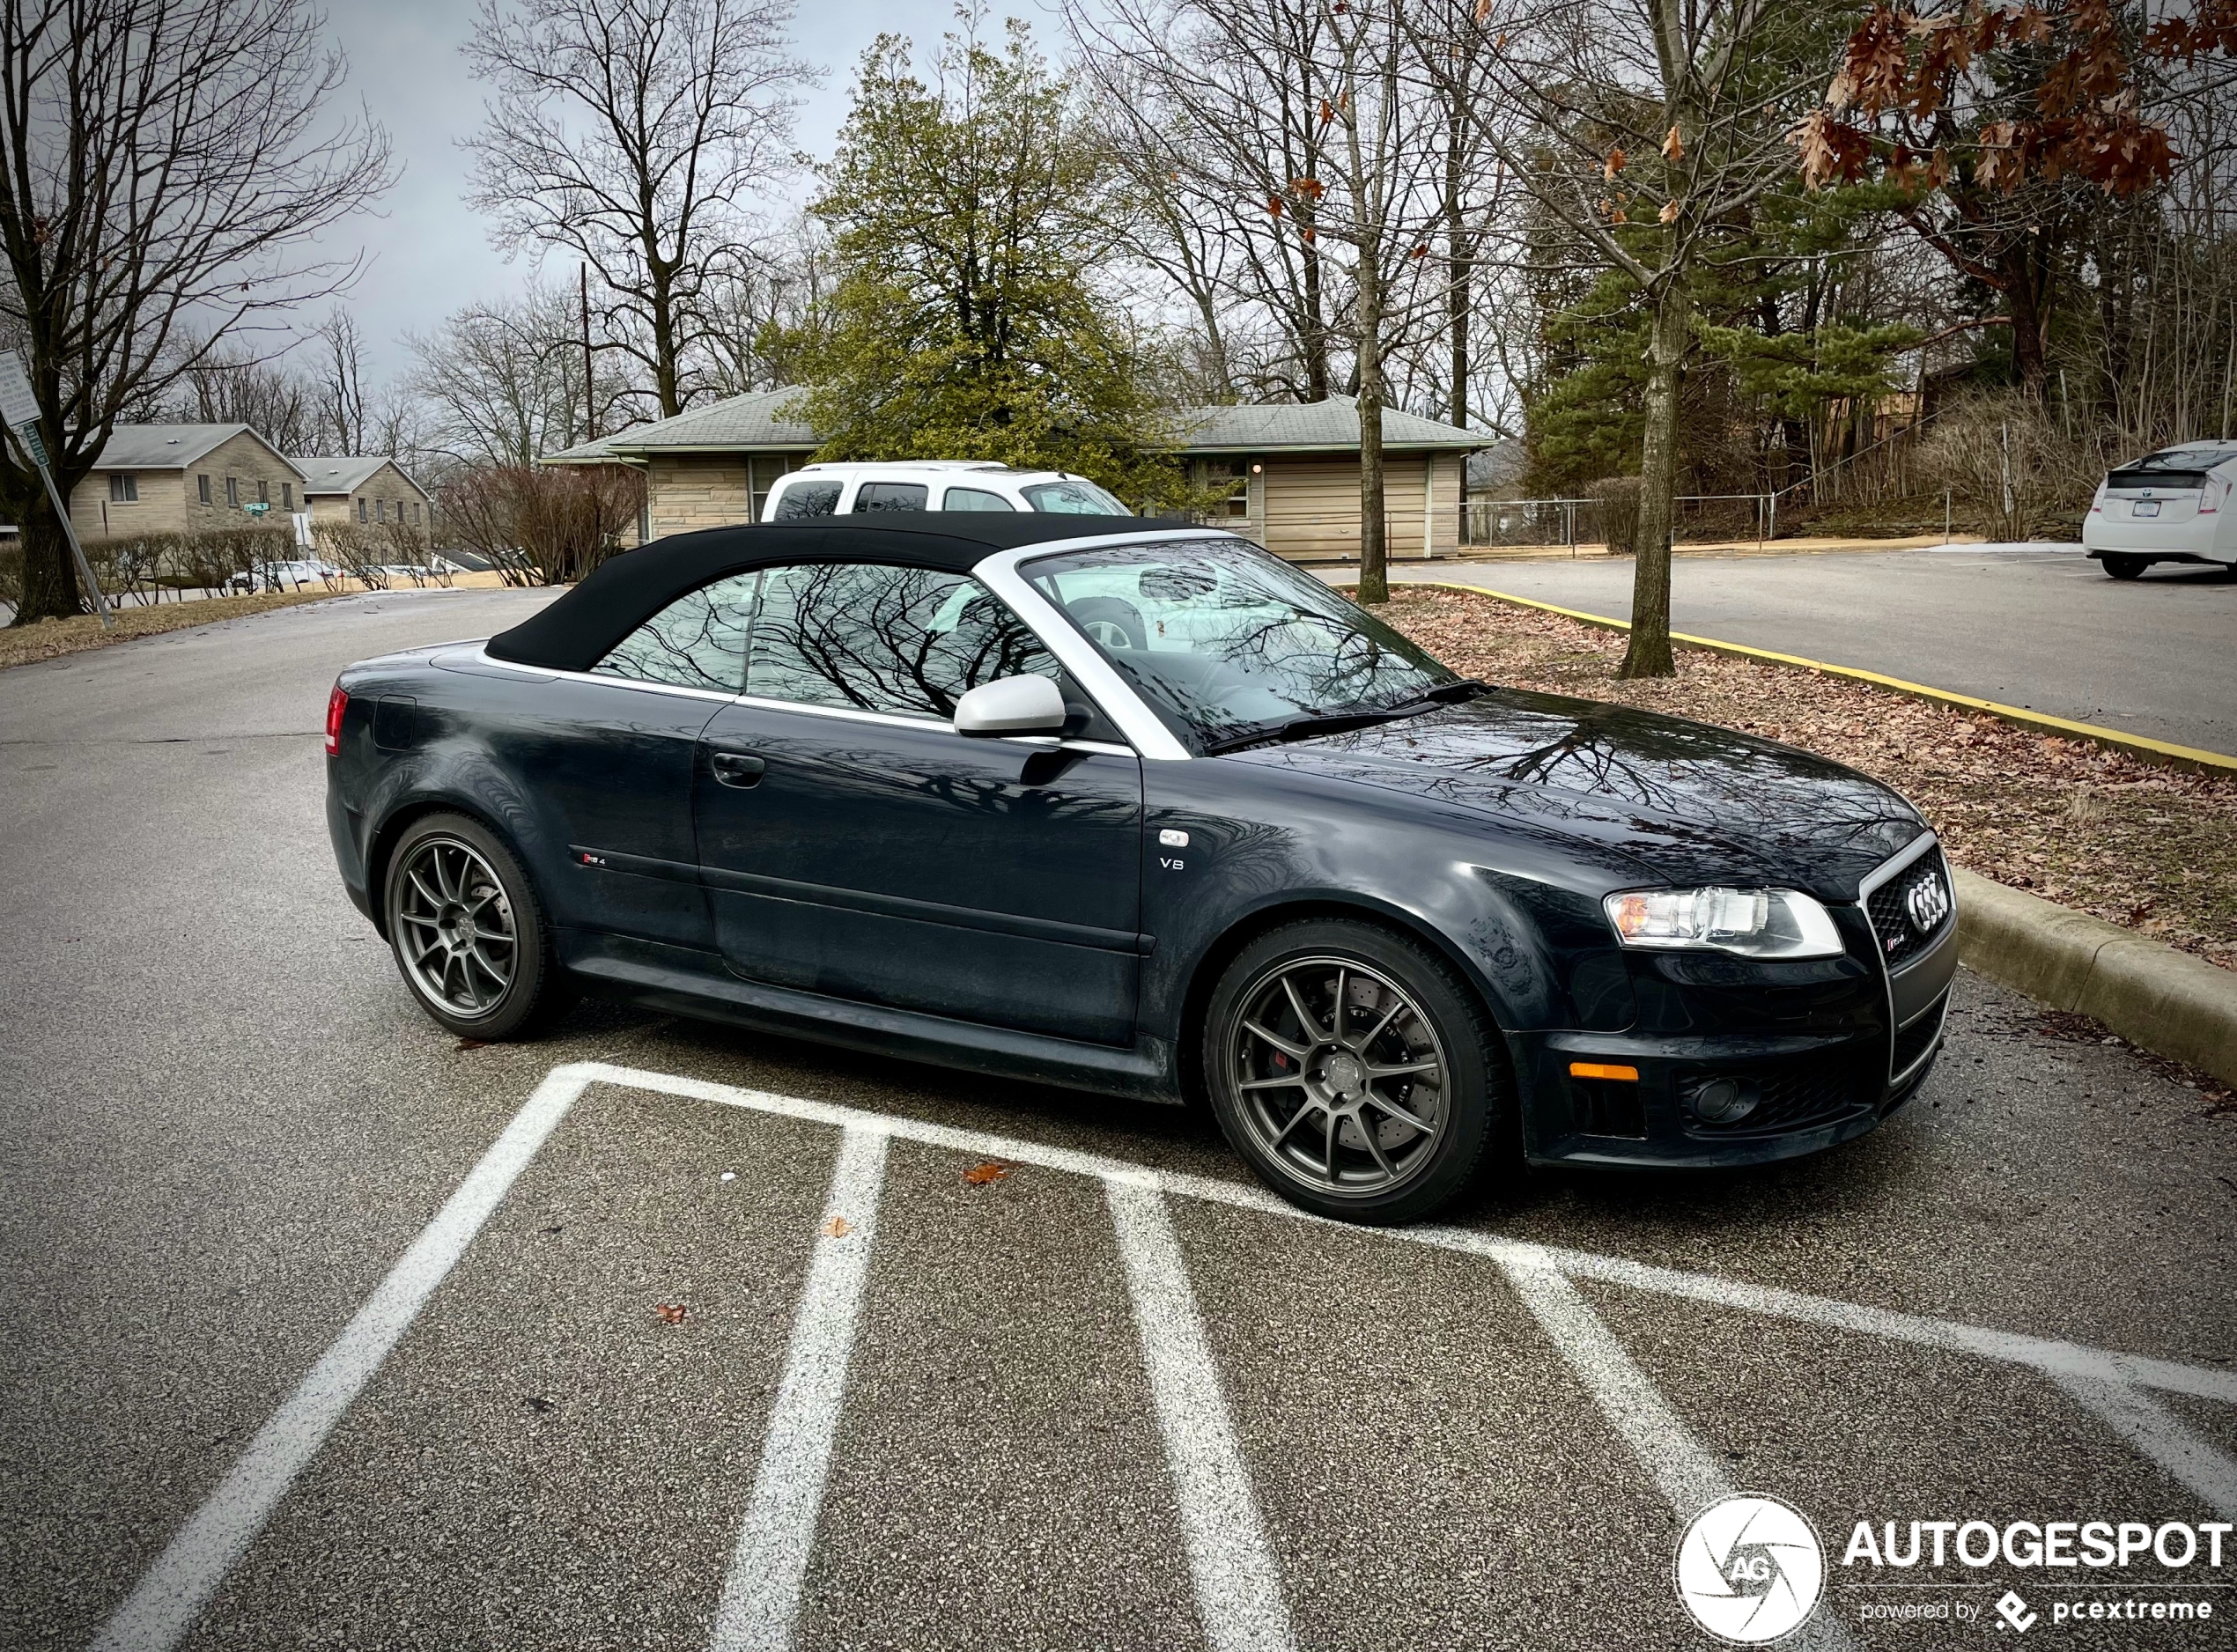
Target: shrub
(1617,501)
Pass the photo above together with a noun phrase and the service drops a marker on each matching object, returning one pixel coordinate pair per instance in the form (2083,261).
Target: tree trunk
(50,589)
(1316,339)
(1374,550)
(1648,655)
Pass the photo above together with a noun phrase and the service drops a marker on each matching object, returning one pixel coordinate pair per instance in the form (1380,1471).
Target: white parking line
(1239,1600)
(172,1592)
(179,1584)
(760,1596)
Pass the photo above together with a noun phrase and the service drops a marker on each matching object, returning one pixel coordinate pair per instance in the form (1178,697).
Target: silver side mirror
(1012,705)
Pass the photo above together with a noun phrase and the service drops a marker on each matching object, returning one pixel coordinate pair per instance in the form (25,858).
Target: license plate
(2144,507)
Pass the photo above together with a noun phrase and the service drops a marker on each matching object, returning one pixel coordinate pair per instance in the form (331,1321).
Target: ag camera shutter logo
(1749,1570)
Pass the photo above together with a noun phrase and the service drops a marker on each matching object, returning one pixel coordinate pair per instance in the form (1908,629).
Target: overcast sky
(430,253)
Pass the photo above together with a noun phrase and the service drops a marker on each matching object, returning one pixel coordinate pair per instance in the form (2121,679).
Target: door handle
(738,768)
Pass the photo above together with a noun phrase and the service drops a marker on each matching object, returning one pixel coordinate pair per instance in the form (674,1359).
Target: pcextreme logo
(1749,1570)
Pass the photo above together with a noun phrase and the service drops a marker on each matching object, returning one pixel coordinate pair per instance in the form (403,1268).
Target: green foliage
(968,220)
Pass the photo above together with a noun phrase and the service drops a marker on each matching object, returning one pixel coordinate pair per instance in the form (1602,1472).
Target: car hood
(1689,802)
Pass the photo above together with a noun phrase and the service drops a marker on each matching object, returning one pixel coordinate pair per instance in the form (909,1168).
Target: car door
(854,845)
(608,758)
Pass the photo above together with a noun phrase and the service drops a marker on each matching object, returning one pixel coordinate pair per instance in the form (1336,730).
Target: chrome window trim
(1119,698)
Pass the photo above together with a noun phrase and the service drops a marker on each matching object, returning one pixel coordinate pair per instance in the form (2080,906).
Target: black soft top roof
(578,630)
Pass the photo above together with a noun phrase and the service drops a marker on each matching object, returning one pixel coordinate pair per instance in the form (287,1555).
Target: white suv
(932,485)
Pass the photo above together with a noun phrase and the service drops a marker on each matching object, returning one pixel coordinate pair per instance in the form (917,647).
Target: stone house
(1290,472)
(184,478)
(370,490)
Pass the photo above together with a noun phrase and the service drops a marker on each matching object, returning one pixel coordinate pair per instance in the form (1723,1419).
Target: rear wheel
(2125,567)
(469,934)
(1355,1070)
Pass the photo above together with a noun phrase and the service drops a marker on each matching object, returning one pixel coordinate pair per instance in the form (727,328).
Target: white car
(2173,505)
(291,575)
(932,485)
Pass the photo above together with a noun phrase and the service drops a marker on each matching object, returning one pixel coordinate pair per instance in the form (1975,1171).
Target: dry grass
(21,644)
(2152,849)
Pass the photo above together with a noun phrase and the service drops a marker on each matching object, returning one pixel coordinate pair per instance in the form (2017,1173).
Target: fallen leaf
(535,1403)
(670,1313)
(837,1228)
(473,1043)
(980,1175)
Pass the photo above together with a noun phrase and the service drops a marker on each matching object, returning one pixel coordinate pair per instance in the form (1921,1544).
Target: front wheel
(2125,567)
(469,934)
(1357,1074)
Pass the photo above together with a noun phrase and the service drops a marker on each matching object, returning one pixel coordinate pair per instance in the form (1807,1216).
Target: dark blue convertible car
(1139,808)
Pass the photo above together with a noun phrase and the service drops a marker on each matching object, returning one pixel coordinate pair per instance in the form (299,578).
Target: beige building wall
(694,490)
(170,501)
(375,501)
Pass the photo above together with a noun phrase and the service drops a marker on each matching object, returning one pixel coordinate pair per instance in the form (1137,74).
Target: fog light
(1721,1100)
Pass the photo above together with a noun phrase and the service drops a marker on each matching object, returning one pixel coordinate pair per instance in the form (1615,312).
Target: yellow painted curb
(2139,746)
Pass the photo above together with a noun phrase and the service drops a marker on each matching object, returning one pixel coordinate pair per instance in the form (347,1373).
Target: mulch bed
(21,644)
(2151,849)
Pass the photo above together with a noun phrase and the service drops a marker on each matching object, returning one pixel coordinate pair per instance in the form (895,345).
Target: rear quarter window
(801,500)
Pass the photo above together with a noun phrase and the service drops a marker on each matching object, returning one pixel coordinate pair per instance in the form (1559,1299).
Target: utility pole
(590,388)
(19,411)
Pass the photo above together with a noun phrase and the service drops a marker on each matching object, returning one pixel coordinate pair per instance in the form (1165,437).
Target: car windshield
(1072,497)
(1229,644)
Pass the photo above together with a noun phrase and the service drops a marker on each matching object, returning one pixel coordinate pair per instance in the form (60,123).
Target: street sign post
(19,411)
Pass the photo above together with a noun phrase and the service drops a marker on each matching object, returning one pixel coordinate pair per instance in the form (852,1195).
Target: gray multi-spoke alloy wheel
(467,930)
(1352,1069)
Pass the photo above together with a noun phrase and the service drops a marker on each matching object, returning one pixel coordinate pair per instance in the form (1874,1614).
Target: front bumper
(1816,1079)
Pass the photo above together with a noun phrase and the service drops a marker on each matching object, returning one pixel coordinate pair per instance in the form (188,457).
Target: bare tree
(1305,127)
(1643,127)
(503,382)
(626,132)
(339,377)
(232,386)
(166,168)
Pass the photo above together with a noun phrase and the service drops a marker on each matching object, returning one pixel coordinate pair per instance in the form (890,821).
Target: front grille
(1910,908)
(1917,1039)
(1789,1095)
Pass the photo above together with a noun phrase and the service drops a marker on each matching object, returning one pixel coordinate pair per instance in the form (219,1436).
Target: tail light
(2096,501)
(336,703)
(2209,500)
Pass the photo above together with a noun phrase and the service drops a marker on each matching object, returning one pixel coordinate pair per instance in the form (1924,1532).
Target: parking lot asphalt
(2042,629)
(321,1328)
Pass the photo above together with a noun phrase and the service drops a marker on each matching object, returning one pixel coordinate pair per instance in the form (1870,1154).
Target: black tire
(1112,621)
(457,903)
(1282,1126)
(2125,567)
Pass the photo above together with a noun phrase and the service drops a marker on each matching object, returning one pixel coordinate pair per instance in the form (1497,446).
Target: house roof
(752,422)
(344,473)
(1330,426)
(169,446)
(748,421)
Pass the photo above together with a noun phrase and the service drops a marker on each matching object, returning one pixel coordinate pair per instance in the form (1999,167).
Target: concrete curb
(2149,993)
(2142,747)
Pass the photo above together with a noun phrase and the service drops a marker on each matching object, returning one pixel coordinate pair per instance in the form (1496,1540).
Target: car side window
(890,496)
(802,499)
(699,641)
(906,640)
(974,500)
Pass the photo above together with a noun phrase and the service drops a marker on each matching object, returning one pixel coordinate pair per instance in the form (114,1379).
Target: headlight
(1754,923)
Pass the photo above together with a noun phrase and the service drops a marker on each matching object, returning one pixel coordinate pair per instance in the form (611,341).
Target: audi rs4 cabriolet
(1140,808)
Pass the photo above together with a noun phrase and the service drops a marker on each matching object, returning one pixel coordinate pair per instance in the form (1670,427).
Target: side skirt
(680,981)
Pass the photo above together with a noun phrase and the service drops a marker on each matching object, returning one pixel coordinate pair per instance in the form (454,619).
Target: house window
(263,492)
(202,488)
(363,513)
(415,513)
(123,488)
(1233,476)
(287,496)
(761,472)
(233,493)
